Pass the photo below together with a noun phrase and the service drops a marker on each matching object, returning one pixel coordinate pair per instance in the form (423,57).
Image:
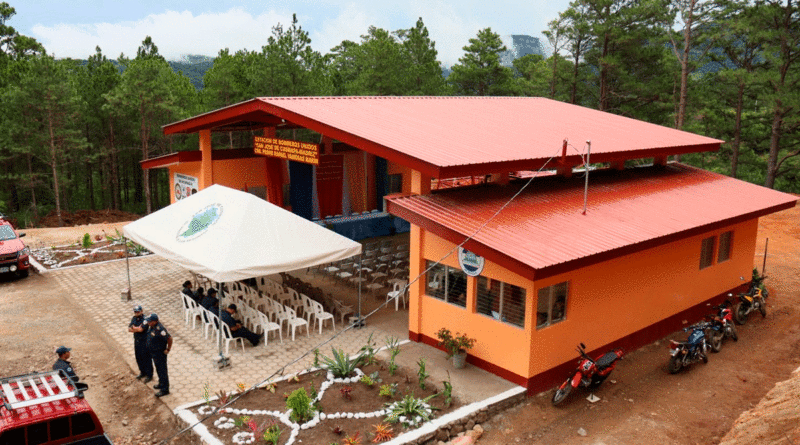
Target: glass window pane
(488,297)
(559,309)
(724,247)
(513,305)
(543,307)
(435,281)
(456,287)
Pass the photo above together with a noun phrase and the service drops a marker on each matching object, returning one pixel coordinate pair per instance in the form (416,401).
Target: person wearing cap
(237,330)
(159,343)
(143,360)
(62,364)
(210,301)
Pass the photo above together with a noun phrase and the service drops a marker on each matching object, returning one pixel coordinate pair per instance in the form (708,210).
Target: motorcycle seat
(606,360)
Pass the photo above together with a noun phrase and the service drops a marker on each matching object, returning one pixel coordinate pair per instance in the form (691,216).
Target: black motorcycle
(752,300)
(721,326)
(694,349)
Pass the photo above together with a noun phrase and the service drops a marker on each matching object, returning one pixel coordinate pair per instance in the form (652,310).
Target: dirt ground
(640,403)
(696,406)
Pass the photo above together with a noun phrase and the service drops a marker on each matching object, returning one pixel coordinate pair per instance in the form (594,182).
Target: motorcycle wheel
(734,334)
(739,313)
(716,341)
(762,307)
(675,364)
(597,381)
(562,393)
(705,359)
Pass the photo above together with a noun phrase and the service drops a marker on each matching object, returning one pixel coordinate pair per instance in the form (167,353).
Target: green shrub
(300,404)
(340,365)
(87,241)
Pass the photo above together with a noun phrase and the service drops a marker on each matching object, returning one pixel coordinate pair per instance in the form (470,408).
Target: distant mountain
(194,67)
(520,45)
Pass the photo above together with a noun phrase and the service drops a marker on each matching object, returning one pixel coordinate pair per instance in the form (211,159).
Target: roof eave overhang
(541,273)
(255,109)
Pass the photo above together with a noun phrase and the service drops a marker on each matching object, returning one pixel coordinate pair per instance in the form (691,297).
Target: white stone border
(43,269)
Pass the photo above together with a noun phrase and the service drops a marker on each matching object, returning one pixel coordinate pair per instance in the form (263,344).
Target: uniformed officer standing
(139,329)
(159,342)
(64,365)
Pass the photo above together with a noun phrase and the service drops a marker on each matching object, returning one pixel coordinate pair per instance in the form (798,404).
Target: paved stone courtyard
(155,283)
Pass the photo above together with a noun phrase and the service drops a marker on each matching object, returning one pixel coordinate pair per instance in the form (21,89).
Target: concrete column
(207,164)
(416,264)
(420,184)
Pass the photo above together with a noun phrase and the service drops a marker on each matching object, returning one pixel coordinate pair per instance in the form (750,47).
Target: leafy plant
(272,434)
(316,357)
(355,439)
(454,344)
(241,387)
(367,380)
(346,390)
(393,345)
(447,392)
(410,411)
(87,241)
(337,430)
(383,432)
(222,398)
(115,239)
(340,364)
(300,404)
(242,421)
(388,390)
(421,373)
(271,387)
(207,393)
(294,378)
(368,351)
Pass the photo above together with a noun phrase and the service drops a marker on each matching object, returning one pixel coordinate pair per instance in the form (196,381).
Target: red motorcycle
(590,373)
(721,326)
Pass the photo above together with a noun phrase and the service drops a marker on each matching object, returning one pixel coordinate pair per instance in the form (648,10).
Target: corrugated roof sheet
(448,132)
(544,226)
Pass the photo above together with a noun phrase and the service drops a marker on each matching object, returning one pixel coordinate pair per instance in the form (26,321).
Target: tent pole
(127,266)
(360,321)
(223,361)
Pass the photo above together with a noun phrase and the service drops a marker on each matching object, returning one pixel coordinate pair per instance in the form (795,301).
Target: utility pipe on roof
(586,185)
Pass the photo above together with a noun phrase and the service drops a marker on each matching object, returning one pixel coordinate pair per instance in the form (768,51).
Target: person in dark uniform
(237,330)
(64,365)
(159,342)
(210,302)
(139,329)
(187,289)
(199,295)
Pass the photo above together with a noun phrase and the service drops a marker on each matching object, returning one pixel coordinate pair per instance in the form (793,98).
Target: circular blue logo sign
(200,222)
(470,263)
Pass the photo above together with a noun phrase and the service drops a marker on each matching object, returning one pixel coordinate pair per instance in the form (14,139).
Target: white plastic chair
(228,337)
(320,316)
(190,309)
(268,326)
(308,307)
(398,293)
(295,321)
(209,323)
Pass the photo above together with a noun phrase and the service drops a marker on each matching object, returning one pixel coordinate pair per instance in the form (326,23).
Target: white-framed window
(501,301)
(706,252)
(446,283)
(552,305)
(725,244)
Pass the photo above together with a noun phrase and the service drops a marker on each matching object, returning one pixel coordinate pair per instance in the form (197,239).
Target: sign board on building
(470,263)
(305,152)
(184,185)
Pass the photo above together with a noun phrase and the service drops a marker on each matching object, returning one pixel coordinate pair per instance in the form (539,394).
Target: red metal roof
(543,230)
(459,136)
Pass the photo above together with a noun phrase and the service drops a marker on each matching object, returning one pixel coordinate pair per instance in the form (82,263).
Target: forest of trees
(72,133)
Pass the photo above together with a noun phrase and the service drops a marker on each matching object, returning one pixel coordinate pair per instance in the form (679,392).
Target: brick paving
(156,282)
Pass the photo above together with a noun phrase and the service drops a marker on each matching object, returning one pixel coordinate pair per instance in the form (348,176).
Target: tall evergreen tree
(479,72)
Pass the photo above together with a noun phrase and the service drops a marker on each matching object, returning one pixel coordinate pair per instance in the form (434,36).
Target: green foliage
(393,345)
(340,364)
(479,72)
(410,411)
(447,392)
(316,358)
(454,344)
(388,390)
(421,373)
(272,434)
(368,351)
(301,405)
(367,380)
(207,393)
(86,242)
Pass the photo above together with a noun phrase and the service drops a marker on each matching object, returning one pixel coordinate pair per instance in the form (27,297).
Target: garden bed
(86,251)
(347,411)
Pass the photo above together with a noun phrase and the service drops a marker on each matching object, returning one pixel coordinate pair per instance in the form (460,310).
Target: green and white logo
(200,222)
(470,263)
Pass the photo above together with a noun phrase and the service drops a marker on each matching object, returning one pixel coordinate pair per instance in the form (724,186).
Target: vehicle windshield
(7,233)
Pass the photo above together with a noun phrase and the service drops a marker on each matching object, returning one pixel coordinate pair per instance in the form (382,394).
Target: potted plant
(456,346)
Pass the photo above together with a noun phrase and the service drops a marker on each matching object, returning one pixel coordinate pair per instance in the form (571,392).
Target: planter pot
(460,360)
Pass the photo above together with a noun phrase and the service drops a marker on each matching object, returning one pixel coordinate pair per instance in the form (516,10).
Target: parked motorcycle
(590,373)
(694,349)
(721,326)
(752,300)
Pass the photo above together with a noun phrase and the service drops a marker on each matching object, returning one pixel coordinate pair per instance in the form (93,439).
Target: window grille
(552,305)
(446,283)
(724,253)
(706,252)
(501,301)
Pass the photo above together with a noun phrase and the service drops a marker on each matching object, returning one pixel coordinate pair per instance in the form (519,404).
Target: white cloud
(174,33)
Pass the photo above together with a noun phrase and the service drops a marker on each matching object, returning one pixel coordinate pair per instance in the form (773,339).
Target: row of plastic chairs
(210,321)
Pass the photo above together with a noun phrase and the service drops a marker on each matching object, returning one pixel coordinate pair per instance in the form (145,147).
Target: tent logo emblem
(470,263)
(200,222)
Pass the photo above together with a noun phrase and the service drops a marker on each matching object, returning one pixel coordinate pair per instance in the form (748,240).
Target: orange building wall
(236,173)
(393,169)
(610,300)
(356,180)
(606,301)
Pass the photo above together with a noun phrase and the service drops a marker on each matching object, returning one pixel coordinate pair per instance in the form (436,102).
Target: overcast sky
(74,28)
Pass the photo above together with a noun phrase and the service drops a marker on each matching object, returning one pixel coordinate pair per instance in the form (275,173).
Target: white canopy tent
(228,235)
